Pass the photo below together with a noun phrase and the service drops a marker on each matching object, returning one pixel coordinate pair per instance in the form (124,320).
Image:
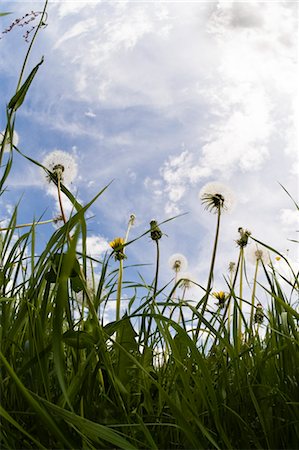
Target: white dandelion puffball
(256,253)
(15,140)
(216,196)
(185,280)
(178,262)
(64,159)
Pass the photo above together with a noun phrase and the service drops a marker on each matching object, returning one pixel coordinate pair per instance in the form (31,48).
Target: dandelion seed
(216,196)
(178,262)
(257,254)
(7,144)
(61,164)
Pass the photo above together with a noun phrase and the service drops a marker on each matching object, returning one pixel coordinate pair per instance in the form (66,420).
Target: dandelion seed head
(256,253)
(63,163)
(217,196)
(178,262)
(7,144)
(185,280)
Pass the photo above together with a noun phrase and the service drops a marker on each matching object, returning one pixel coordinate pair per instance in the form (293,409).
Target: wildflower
(118,246)
(156,233)
(62,165)
(244,235)
(257,254)
(7,144)
(216,196)
(221,297)
(178,262)
(259,314)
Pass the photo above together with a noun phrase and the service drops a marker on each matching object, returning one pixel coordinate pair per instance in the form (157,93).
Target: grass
(212,379)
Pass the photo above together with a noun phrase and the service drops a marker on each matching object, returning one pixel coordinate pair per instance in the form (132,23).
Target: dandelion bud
(156,233)
(244,235)
(259,314)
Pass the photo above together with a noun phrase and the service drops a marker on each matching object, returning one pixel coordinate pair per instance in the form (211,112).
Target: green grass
(213,379)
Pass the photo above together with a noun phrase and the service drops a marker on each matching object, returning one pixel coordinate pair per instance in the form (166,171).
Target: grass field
(168,374)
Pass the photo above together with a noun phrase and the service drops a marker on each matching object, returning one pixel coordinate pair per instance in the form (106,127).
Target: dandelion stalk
(118,246)
(253,295)
(156,235)
(241,294)
(24,225)
(216,198)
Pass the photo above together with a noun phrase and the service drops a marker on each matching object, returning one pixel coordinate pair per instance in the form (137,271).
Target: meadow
(167,374)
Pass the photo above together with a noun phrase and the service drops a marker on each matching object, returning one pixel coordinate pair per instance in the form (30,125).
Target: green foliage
(211,379)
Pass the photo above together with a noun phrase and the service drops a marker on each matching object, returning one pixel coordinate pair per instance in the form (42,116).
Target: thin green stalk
(241,295)
(210,279)
(121,268)
(24,225)
(253,295)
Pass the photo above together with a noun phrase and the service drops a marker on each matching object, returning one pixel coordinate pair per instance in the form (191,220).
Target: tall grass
(214,379)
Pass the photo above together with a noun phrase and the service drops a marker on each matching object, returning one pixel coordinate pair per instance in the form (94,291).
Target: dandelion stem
(24,225)
(157,270)
(60,199)
(253,295)
(210,279)
(241,293)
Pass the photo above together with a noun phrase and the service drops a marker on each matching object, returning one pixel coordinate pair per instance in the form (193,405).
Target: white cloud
(289,218)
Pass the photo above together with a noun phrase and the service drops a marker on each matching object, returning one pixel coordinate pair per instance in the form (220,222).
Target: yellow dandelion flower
(221,297)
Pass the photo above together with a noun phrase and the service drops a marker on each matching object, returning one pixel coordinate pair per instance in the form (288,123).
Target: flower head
(259,314)
(118,246)
(7,143)
(156,233)
(221,297)
(178,262)
(216,196)
(61,164)
(185,280)
(244,235)
(256,253)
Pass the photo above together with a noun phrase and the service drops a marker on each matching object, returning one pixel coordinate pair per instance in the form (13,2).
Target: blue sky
(162,97)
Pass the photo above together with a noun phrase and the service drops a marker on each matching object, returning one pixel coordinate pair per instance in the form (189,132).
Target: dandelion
(118,246)
(7,144)
(185,281)
(156,233)
(178,262)
(221,297)
(256,254)
(244,235)
(62,165)
(217,196)
(259,314)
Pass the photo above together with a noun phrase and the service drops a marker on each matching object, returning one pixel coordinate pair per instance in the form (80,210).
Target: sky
(161,97)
